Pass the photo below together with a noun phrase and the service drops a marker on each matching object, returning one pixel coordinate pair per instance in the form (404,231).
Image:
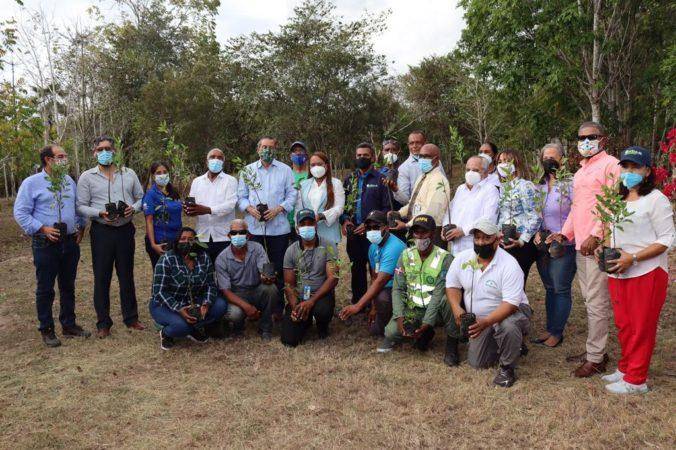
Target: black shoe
(166,342)
(198,336)
(75,331)
(451,357)
(49,338)
(215,330)
(524,349)
(505,377)
(322,333)
(423,343)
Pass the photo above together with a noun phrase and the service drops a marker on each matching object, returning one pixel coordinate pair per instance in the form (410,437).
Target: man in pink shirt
(598,169)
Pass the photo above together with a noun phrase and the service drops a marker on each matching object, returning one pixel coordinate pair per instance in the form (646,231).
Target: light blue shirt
(409,171)
(384,257)
(276,189)
(35,205)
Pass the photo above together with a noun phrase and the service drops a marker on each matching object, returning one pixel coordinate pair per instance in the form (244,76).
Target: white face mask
(318,171)
(506,169)
(588,148)
(486,157)
(390,158)
(472,178)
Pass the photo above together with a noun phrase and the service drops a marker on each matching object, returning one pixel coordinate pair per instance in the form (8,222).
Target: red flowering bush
(666,164)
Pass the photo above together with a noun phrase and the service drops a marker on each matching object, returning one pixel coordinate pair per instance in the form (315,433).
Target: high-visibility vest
(421,277)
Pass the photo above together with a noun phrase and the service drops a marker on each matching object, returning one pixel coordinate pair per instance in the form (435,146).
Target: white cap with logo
(486,226)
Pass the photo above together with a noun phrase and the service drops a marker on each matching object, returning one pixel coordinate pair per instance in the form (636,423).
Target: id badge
(306,293)
(377,267)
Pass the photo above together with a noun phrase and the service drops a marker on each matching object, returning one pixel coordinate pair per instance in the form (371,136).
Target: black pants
(152,254)
(55,261)
(215,248)
(113,246)
(358,251)
(293,332)
(525,256)
(276,247)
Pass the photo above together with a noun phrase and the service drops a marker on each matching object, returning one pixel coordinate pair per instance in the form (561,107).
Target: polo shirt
(384,257)
(166,214)
(233,274)
(312,263)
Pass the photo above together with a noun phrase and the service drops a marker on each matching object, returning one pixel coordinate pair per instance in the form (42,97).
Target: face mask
(162,179)
(550,165)
(422,244)
(472,178)
(374,236)
(486,157)
(363,163)
(238,240)
(299,160)
(631,179)
(390,158)
(588,148)
(61,162)
(307,233)
(505,169)
(425,164)
(183,248)
(267,155)
(105,157)
(318,171)
(484,251)
(215,165)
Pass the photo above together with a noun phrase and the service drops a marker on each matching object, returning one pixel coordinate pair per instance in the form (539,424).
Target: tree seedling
(468,319)
(611,211)
(57,186)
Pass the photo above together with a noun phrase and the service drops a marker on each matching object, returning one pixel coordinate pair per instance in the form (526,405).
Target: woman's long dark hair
(517,160)
(330,197)
(171,190)
(645,187)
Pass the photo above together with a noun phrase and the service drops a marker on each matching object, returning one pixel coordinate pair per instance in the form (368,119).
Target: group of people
(421,257)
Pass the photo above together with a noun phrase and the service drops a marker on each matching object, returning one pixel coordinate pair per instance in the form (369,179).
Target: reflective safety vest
(421,277)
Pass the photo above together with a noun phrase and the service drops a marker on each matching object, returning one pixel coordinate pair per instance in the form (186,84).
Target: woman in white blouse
(639,279)
(324,195)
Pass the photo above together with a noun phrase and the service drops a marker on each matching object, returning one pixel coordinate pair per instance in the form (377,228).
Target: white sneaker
(622,387)
(613,377)
(386,346)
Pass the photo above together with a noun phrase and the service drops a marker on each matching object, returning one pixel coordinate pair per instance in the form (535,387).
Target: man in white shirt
(473,200)
(490,283)
(215,196)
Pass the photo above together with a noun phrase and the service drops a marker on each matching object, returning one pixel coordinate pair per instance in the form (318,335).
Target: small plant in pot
(57,185)
(352,195)
(411,321)
(251,181)
(468,318)
(449,226)
(611,211)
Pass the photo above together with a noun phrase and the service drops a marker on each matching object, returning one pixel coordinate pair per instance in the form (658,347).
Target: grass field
(125,392)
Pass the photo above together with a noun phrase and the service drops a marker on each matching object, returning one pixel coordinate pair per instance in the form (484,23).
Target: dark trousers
(215,248)
(525,256)
(293,332)
(383,305)
(264,297)
(358,252)
(174,325)
(276,247)
(55,261)
(154,257)
(113,246)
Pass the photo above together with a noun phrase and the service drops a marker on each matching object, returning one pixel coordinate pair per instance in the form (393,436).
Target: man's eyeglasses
(238,232)
(591,137)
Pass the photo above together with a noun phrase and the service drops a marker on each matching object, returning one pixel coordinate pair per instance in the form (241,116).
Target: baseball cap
(424,221)
(299,144)
(305,214)
(376,216)
(486,226)
(636,154)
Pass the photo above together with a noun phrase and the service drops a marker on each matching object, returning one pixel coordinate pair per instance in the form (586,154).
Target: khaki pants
(594,287)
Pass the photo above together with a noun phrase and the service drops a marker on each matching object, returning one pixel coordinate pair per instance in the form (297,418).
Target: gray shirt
(94,191)
(310,262)
(235,275)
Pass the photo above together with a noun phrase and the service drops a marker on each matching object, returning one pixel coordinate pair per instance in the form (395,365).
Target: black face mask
(183,248)
(484,251)
(550,165)
(363,163)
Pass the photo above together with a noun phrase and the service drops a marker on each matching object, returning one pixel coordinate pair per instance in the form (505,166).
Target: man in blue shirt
(37,211)
(266,194)
(383,255)
(364,192)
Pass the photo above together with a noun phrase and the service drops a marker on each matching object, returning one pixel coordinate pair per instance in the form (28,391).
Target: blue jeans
(175,326)
(557,277)
(55,261)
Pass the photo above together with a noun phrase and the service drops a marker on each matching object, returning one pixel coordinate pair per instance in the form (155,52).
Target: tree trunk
(596,60)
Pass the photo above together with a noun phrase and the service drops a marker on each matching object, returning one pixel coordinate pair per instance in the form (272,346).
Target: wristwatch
(634,259)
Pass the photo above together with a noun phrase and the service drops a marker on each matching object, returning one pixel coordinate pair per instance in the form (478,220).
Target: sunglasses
(238,233)
(591,137)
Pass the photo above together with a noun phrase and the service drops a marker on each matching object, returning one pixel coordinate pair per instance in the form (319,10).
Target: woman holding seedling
(639,278)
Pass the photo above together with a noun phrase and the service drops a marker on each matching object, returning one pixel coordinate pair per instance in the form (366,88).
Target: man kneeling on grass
(309,282)
(497,309)
(184,292)
(418,295)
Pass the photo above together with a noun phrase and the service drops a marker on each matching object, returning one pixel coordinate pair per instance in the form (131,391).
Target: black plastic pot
(509,232)
(194,312)
(607,254)
(542,247)
(409,327)
(349,229)
(392,175)
(466,320)
(111,209)
(189,201)
(392,218)
(268,270)
(121,207)
(556,250)
(262,208)
(448,227)
(63,230)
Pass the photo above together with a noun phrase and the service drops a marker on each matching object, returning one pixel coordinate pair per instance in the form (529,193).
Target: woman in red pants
(639,279)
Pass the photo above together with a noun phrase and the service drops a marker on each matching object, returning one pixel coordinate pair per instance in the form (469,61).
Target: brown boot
(102,333)
(136,326)
(588,368)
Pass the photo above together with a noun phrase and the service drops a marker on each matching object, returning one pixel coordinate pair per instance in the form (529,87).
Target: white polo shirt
(501,281)
(221,196)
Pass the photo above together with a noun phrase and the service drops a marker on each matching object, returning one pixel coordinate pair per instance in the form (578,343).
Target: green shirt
(298,178)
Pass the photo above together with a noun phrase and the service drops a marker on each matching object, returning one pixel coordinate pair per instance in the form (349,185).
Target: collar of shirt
(274,163)
(229,254)
(596,158)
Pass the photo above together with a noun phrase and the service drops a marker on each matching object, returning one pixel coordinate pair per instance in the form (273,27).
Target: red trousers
(637,303)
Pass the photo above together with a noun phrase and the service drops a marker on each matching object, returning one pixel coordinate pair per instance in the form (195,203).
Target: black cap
(305,214)
(298,144)
(636,154)
(425,222)
(376,216)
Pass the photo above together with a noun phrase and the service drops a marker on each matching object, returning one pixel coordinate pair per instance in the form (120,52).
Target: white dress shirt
(493,179)
(469,205)
(221,196)
(317,196)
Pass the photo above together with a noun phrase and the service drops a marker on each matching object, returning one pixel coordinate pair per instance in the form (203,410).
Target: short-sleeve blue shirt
(384,258)
(166,226)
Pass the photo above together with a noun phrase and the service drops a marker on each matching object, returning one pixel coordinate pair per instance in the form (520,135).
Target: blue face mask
(299,159)
(215,165)
(631,179)
(238,240)
(307,233)
(374,236)
(425,164)
(105,157)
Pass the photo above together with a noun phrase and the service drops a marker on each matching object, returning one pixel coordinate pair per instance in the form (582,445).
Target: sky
(415,28)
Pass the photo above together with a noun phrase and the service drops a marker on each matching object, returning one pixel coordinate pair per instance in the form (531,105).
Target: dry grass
(125,392)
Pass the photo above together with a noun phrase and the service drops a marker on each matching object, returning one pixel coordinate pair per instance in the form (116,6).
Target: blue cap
(636,154)
(300,144)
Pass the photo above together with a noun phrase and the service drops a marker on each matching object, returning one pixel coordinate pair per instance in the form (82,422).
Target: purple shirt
(557,203)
